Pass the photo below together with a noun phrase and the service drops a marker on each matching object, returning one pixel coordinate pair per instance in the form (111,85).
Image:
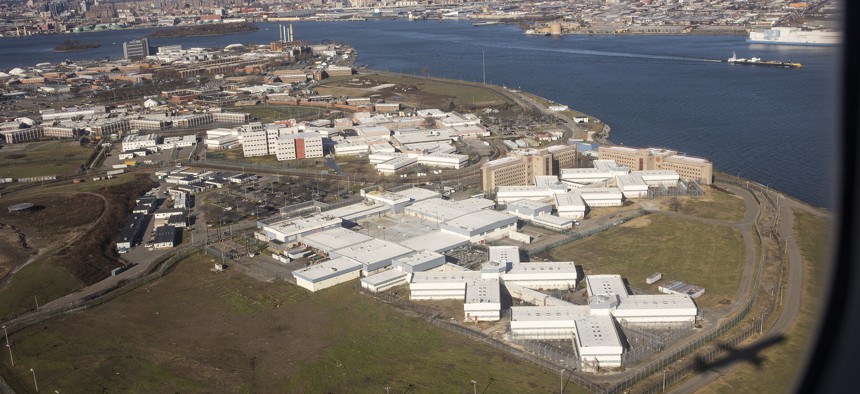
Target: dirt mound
(91,259)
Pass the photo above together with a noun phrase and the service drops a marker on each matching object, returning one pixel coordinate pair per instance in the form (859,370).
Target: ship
(754,61)
(794,36)
(490,23)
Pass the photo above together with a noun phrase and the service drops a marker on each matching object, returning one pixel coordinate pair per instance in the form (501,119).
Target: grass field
(781,363)
(271,113)
(43,280)
(430,91)
(700,254)
(42,158)
(714,204)
(197,331)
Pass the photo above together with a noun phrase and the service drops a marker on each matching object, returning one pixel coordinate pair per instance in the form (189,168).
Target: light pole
(12,360)
(664,380)
(785,248)
(34,380)
(475,386)
(561,384)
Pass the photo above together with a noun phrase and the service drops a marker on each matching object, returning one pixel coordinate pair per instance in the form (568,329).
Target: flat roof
(504,254)
(373,250)
(419,257)
(477,220)
(686,159)
(570,199)
(552,219)
(526,203)
(630,180)
(327,269)
(418,193)
(543,313)
(436,241)
(483,291)
(552,267)
(358,210)
(297,225)
(444,276)
(606,284)
(597,331)
(657,301)
(335,238)
(385,276)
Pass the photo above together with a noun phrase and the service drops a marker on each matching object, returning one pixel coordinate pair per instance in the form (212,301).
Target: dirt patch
(59,218)
(642,221)
(12,252)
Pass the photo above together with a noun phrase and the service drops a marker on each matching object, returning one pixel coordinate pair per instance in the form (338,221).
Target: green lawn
(40,279)
(460,93)
(42,158)
(700,254)
(779,370)
(271,113)
(198,331)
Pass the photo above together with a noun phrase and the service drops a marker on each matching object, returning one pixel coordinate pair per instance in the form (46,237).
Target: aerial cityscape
(413,196)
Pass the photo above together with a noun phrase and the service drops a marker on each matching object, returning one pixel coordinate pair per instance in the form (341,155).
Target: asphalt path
(791,297)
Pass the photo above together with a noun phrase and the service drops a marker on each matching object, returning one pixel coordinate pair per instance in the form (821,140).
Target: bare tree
(675,204)
(425,71)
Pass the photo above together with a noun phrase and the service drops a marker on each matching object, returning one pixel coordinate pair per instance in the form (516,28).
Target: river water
(772,125)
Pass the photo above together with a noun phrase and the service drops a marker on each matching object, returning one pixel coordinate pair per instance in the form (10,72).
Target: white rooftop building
(327,273)
(374,254)
(332,239)
(289,230)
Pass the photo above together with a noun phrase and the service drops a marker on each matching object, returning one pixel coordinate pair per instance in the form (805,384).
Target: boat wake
(609,54)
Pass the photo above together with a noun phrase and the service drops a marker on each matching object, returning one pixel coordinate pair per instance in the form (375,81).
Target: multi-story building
(136,49)
(254,141)
(521,166)
(299,146)
(688,168)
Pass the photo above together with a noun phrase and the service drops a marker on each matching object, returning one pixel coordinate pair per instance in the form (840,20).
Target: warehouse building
(328,273)
(374,254)
(333,239)
(481,226)
(424,260)
(138,141)
(289,230)
(165,237)
(384,280)
(131,232)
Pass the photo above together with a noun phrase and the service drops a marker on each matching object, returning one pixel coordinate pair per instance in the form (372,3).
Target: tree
(425,71)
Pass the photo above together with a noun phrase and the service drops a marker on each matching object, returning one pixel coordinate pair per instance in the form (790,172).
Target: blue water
(772,125)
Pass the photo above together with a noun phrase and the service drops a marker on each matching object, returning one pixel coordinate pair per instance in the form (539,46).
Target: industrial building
(328,273)
(165,237)
(131,232)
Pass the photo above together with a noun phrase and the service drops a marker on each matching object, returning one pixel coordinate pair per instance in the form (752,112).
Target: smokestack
(280,31)
(291,32)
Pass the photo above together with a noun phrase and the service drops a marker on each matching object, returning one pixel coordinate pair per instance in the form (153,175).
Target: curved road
(792,293)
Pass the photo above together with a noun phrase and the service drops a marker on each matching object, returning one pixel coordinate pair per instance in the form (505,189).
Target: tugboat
(758,62)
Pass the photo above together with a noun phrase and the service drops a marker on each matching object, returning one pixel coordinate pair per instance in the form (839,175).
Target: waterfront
(771,125)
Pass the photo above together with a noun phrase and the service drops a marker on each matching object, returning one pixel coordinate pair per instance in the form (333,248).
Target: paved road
(792,292)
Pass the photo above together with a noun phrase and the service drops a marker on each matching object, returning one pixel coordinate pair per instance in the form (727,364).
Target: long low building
(481,226)
(328,273)
(374,254)
(384,280)
(548,275)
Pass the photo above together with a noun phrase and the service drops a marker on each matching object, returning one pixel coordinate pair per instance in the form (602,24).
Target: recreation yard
(705,255)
